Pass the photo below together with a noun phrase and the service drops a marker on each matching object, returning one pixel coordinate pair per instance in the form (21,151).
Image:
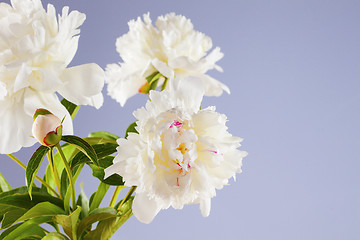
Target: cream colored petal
(145,209)
(83,85)
(205,206)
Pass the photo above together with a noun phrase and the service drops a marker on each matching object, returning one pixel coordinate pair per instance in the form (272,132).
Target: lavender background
(293,68)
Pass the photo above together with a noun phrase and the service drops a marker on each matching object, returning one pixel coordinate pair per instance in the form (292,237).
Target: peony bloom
(47,128)
(173,47)
(181,155)
(35,50)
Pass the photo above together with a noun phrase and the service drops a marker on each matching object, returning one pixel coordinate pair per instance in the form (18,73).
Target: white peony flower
(35,50)
(181,155)
(173,47)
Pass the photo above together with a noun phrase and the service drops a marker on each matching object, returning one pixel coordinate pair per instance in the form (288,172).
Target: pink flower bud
(47,128)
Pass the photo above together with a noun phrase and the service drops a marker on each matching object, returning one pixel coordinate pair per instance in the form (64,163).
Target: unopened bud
(47,128)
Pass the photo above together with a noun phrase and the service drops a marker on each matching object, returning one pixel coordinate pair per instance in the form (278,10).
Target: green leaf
(72,108)
(102,150)
(83,201)
(131,128)
(104,135)
(98,196)
(69,152)
(33,166)
(10,217)
(4,185)
(97,215)
(19,198)
(55,236)
(25,230)
(41,210)
(64,183)
(106,228)
(69,223)
(99,172)
(76,171)
(83,146)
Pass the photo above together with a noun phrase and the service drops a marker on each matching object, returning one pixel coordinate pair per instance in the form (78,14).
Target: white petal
(205,206)
(162,68)
(15,127)
(83,84)
(145,209)
(3,91)
(122,82)
(190,90)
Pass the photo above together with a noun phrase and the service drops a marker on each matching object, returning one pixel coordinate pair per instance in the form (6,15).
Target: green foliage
(104,135)
(131,128)
(98,196)
(4,185)
(54,236)
(33,166)
(23,210)
(72,108)
(107,227)
(69,222)
(83,146)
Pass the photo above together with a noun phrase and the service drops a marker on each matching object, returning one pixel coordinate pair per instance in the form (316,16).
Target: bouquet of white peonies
(175,153)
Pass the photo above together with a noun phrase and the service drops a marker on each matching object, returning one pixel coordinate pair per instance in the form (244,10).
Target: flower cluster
(176,153)
(35,50)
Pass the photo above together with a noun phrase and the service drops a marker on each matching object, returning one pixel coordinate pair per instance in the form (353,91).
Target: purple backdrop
(293,68)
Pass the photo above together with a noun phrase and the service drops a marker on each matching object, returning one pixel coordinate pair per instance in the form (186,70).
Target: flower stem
(131,191)
(53,170)
(37,177)
(69,173)
(115,195)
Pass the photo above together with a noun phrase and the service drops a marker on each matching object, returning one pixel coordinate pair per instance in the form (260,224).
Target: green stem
(53,170)
(164,84)
(37,177)
(69,173)
(115,195)
(131,191)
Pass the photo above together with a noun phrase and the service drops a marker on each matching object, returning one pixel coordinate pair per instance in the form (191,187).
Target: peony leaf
(26,230)
(75,172)
(69,152)
(83,201)
(41,210)
(106,228)
(10,217)
(97,215)
(98,172)
(83,146)
(104,135)
(4,185)
(69,222)
(19,198)
(98,196)
(131,128)
(33,166)
(102,150)
(55,236)
(71,107)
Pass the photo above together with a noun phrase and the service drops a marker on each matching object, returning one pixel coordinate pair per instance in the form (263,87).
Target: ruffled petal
(83,85)
(145,209)
(122,82)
